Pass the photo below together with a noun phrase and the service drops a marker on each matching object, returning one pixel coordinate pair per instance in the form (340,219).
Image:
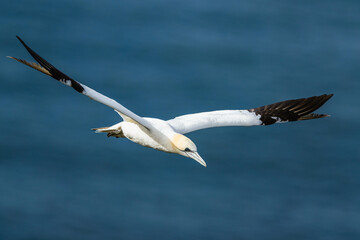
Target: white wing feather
(48,69)
(192,122)
(285,111)
(123,111)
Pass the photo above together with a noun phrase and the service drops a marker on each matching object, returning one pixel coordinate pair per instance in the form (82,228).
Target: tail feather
(102,129)
(113,131)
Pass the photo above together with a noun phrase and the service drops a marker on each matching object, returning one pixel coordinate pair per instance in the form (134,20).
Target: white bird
(168,135)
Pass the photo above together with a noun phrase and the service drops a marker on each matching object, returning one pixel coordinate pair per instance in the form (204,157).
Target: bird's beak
(196,157)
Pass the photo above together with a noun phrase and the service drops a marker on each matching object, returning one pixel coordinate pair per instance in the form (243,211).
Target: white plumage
(168,135)
(192,122)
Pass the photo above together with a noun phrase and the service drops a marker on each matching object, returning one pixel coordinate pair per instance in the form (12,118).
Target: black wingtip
(53,72)
(22,42)
(292,110)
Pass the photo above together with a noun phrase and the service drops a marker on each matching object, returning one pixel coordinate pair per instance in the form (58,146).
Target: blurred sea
(59,180)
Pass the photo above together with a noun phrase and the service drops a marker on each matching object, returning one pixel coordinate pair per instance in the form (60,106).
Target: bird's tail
(113,131)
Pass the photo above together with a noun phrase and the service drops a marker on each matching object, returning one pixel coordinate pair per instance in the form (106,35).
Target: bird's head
(184,146)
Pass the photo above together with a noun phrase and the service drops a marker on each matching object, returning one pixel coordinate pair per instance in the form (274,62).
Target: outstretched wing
(48,69)
(286,111)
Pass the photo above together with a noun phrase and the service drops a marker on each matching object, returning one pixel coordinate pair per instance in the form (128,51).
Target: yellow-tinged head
(184,146)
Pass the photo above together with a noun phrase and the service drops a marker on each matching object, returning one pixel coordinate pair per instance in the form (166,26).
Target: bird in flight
(168,136)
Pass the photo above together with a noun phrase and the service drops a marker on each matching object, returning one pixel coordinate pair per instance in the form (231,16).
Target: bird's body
(161,137)
(164,131)
(168,135)
(158,139)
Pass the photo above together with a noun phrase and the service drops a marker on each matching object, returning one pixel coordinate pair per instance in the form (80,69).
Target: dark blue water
(59,180)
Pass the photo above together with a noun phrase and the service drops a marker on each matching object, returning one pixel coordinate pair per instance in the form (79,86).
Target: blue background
(59,180)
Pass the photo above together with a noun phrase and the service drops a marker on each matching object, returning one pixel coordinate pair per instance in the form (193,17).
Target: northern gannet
(168,136)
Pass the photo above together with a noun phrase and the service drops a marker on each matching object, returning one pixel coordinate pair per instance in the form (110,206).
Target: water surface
(59,180)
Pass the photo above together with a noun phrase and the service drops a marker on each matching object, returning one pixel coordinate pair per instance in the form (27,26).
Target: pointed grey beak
(196,157)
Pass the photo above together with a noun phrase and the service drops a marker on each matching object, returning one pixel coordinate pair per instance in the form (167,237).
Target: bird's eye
(187,150)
